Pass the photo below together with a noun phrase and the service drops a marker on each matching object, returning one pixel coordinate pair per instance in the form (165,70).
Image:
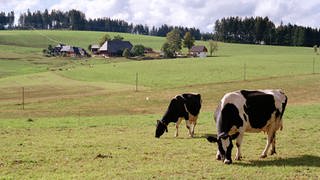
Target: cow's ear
(212,138)
(166,129)
(157,122)
(235,135)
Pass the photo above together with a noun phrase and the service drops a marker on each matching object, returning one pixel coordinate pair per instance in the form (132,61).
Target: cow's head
(161,127)
(225,146)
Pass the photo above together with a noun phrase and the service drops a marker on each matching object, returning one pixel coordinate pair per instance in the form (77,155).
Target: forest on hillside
(249,30)
(260,30)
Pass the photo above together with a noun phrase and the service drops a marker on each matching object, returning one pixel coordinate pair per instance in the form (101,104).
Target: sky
(190,13)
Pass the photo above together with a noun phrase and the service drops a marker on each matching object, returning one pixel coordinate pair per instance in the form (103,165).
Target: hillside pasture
(84,119)
(42,38)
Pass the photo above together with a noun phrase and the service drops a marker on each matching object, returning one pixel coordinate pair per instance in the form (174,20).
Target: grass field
(83,119)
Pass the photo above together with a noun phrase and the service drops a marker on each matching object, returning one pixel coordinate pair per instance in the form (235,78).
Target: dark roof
(198,49)
(73,49)
(115,46)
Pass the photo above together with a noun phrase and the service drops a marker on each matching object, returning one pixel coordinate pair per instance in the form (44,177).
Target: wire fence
(28,98)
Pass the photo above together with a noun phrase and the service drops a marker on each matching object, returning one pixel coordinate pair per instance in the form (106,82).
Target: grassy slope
(181,72)
(41,39)
(85,111)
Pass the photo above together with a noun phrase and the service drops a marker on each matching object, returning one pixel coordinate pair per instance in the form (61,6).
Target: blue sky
(191,13)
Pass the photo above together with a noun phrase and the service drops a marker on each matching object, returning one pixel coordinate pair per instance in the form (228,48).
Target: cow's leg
(177,127)
(238,144)
(273,145)
(218,155)
(271,135)
(192,124)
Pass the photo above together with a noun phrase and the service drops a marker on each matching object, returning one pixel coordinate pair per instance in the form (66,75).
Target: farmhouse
(114,47)
(73,51)
(199,51)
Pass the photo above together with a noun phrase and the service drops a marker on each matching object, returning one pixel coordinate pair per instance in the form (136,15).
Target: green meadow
(69,118)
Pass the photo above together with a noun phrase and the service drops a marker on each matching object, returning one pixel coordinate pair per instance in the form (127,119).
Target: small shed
(199,51)
(95,48)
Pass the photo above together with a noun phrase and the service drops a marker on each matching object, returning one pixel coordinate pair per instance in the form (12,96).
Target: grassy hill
(77,82)
(83,118)
(42,38)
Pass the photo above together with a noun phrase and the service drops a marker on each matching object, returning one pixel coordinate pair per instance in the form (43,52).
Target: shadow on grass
(304,160)
(202,136)
(196,136)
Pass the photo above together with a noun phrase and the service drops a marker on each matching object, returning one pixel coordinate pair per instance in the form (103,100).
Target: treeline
(250,30)
(76,20)
(261,30)
(6,20)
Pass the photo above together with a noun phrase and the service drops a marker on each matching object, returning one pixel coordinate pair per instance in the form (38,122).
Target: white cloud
(192,13)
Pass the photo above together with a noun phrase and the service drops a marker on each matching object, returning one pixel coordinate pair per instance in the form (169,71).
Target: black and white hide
(184,106)
(247,111)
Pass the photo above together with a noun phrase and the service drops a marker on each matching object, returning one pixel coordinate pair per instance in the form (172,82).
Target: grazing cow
(247,111)
(185,106)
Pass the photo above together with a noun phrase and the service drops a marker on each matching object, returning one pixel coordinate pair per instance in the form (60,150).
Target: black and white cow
(185,106)
(247,111)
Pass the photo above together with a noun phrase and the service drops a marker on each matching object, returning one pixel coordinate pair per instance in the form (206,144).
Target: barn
(114,47)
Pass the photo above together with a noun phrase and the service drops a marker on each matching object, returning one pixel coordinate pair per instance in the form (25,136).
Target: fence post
(314,62)
(136,82)
(245,71)
(22,98)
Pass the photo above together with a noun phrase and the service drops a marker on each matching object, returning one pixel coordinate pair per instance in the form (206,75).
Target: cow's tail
(284,104)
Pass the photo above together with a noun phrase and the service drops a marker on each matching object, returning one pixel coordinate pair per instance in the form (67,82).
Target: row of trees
(251,30)
(262,30)
(76,20)
(6,20)
(174,43)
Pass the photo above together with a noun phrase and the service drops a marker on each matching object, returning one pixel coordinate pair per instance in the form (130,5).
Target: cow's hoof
(238,158)
(273,152)
(226,161)
(218,157)
(263,156)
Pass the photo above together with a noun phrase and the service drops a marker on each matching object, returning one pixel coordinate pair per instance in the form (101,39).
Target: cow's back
(193,103)
(257,109)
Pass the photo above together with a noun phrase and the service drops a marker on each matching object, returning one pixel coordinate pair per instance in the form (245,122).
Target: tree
(104,38)
(315,49)
(188,41)
(126,53)
(167,51)
(213,47)
(118,37)
(77,20)
(173,43)
(46,19)
(137,50)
